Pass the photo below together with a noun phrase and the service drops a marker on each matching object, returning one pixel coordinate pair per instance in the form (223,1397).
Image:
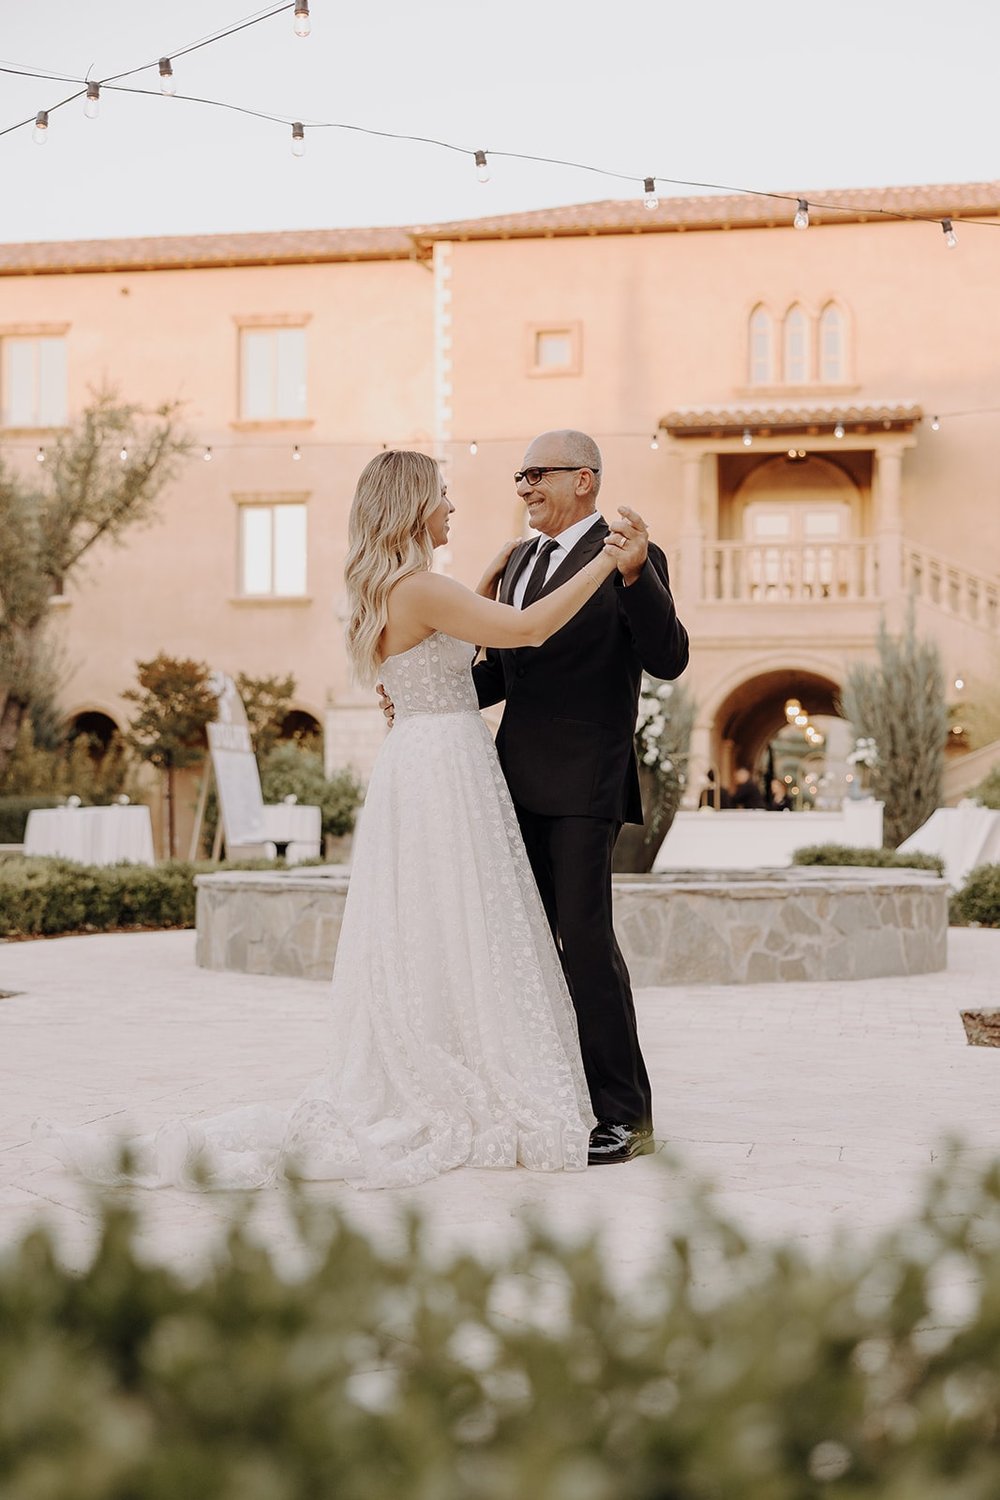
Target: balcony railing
(968,596)
(789,573)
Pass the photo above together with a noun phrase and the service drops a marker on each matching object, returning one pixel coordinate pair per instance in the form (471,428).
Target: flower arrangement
(865,753)
(662,739)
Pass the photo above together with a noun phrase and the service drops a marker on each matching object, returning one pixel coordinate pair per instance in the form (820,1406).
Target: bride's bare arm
(433,602)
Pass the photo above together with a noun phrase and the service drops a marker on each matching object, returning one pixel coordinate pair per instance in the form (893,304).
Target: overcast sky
(793,95)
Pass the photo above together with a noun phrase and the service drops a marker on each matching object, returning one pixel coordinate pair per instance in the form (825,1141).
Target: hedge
(845,854)
(740,1371)
(41,897)
(14,815)
(977,904)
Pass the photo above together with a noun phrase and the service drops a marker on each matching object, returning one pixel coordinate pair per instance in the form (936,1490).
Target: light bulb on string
(747,437)
(473,448)
(482,167)
(296,453)
(92,103)
(649,198)
(40,134)
(40,455)
(207,455)
(801,220)
(298,139)
(303,25)
(950,237)
(935,424)
(838,431)
(168,83)
(654,442)
(123,454)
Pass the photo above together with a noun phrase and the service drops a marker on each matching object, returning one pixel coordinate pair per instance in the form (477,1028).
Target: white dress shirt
(564,544)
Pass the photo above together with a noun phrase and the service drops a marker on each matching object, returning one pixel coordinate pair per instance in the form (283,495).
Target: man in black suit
(566,744)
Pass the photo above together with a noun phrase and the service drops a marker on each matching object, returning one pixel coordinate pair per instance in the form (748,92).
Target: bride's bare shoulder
(419,587)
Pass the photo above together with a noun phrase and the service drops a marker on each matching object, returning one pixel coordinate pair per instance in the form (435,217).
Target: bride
(454,1039)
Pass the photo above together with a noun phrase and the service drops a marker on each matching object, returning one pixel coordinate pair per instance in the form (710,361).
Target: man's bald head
(572,447)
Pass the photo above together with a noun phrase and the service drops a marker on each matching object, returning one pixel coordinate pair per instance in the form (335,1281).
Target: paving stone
(813,1107)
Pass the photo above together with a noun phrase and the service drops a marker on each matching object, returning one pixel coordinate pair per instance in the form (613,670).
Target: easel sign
(237,778)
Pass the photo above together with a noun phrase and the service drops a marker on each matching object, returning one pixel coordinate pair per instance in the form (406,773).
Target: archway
(99,729)
(783,724)
(300,724)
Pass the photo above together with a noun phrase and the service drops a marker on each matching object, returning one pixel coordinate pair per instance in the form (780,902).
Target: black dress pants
(571,861)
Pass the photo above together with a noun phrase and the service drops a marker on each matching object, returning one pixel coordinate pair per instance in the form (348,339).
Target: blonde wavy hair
(387,540)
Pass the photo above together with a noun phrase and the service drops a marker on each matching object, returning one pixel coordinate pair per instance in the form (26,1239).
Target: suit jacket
(566,741)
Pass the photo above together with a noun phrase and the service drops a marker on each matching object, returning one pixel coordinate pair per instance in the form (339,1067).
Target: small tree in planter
(662,744)
(175,704)
(899,703)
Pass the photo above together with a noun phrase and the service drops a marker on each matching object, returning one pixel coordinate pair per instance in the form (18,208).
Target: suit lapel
(587,547)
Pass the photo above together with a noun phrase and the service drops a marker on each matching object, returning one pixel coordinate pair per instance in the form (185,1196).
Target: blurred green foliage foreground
(737,1372)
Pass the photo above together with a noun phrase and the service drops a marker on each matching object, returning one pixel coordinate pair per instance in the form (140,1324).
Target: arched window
(831,345)
(796,364)
(761,347)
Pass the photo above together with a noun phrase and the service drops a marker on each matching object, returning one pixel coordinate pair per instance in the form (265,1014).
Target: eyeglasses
(534,475)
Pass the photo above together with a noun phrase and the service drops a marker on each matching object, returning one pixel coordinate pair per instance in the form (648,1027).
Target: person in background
(746,793)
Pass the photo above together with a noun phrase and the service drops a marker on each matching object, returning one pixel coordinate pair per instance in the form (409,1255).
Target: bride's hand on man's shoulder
(487,585)
(385,704)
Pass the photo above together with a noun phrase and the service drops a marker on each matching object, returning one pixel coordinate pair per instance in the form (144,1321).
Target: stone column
(699,760)
(889,521)
(689,581)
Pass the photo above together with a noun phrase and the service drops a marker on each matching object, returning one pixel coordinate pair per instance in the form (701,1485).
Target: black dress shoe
(612,1141)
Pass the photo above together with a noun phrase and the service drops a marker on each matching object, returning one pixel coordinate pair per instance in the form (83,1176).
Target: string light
(40,134)
(296,453)
(298,139)
(473,447)
(40,455)
(482,167)
(935,424)
(650,198)
(838,431)
(123,455)
(207,455)
(747,437)
(92,105)
(654,442)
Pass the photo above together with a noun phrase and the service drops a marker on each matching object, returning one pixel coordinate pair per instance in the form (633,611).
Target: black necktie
(537,580)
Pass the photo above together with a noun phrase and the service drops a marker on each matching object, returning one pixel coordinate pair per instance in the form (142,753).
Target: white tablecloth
(91,835)
(297,824)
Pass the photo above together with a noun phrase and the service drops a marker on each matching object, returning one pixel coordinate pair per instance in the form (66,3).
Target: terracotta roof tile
(700,421)
(726,211)
(282,247)
(611,216)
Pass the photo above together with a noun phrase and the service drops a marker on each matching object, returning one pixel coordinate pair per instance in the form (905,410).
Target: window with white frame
(554,349)
(272,374)
(831,345)
(34,381)
(796,351)
(272,549)
(761,347)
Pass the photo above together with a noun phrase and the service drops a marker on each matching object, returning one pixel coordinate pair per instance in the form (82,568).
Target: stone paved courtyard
(811,1106)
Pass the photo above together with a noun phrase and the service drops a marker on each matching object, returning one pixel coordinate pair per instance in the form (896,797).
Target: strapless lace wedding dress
(454,1040)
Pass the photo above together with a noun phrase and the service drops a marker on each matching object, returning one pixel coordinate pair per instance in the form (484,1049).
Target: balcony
(934,580)
(789,573)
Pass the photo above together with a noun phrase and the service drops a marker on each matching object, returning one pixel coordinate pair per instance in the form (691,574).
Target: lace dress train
(454,1040)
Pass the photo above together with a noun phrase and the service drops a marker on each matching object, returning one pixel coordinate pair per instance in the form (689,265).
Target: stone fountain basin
(681,927)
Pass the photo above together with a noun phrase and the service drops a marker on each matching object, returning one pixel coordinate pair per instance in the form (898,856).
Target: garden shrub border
(42,897)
